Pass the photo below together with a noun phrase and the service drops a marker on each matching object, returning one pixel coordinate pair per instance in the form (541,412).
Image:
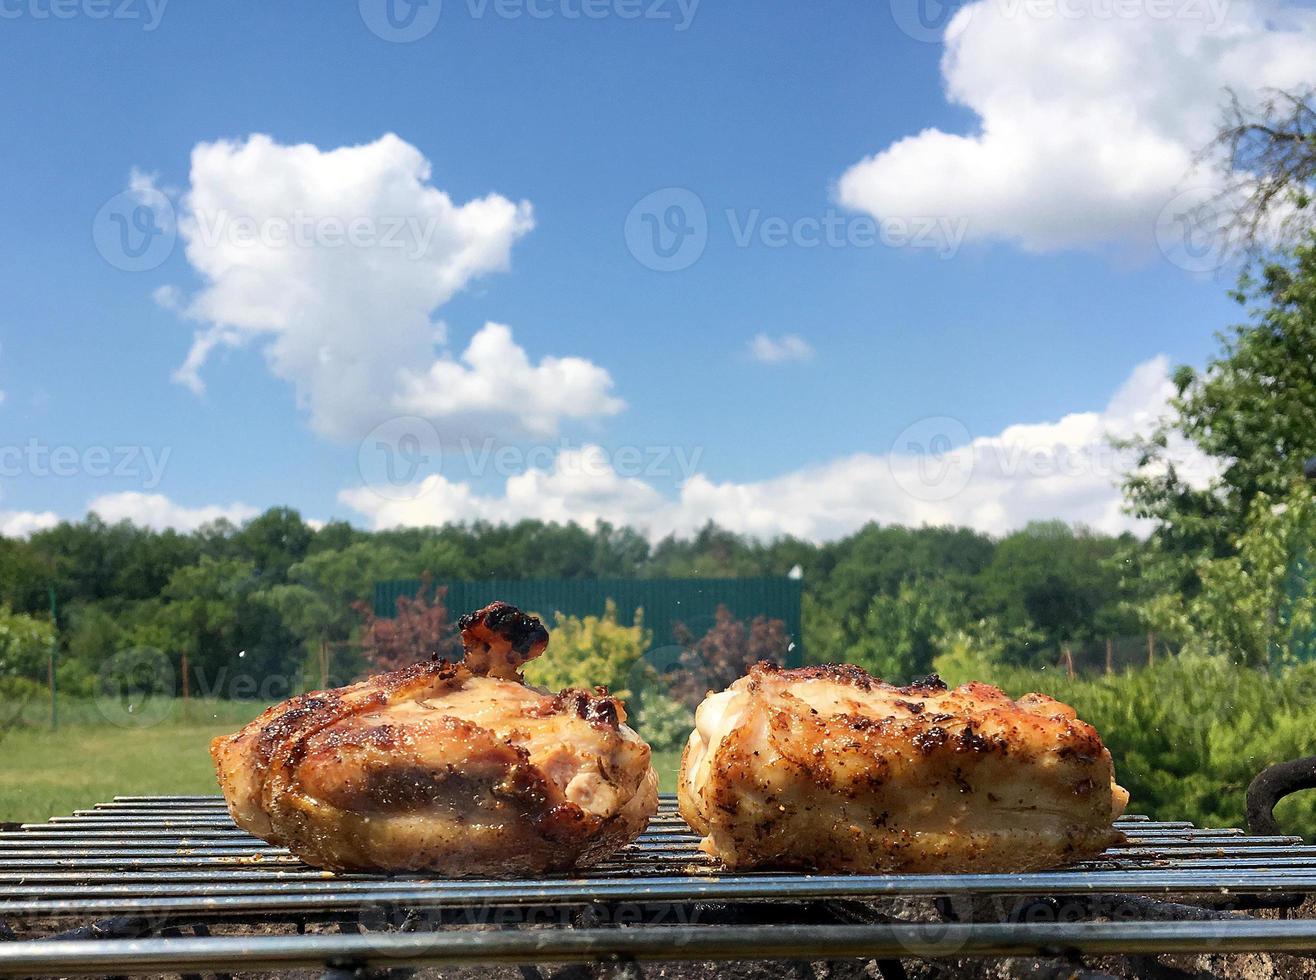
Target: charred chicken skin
(460,769)
(829,769)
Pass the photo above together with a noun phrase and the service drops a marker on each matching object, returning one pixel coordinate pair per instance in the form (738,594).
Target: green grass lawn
(90,759)
(666,764)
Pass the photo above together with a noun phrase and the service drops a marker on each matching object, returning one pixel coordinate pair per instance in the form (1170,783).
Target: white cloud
(788,347)
(170,298)
(1089,121)
(580,484)
(495,379)
(158,512)
(144,186)
(936,474)
(335,261)
(22,523)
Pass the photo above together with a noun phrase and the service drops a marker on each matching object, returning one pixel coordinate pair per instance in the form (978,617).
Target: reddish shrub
(724,653)
(420,630)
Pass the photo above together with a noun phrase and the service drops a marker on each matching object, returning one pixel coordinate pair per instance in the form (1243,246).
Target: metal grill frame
(114,887)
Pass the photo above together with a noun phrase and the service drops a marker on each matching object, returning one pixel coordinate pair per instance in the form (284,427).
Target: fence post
(50,664)
(1151,649)
(186,688)
(1110,656)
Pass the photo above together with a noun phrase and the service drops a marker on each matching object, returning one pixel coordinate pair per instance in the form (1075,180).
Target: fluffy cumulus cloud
(1091,115)
(937,473)
(21,523)
(158,512)
(495,379)
(580,484)
(779,350)
(150,510)
(335,261)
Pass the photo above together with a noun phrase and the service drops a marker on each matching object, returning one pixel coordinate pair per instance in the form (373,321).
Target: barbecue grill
(169,884)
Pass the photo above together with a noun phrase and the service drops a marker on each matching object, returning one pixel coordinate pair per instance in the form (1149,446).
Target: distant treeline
(276,597)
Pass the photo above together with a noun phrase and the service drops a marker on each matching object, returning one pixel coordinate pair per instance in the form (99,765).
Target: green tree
(24,575)
(149,625)
(1059,582)
(981,650)
(715,552)
(878,560)
(318,603)
(899,635)
(273,542)
(25,644)
(1266,151)
(208,615)
(93,633)
(335,536)
(1251,414)
(827,640)
(92,560)
(1257,605)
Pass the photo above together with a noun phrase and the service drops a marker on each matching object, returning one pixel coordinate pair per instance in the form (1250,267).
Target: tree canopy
(279,596)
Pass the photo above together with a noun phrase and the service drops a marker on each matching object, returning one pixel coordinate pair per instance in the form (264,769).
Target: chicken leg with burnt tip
(458,768)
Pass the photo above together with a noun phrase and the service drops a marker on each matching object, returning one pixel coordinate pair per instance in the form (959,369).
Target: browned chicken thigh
(830,769)
(457,768)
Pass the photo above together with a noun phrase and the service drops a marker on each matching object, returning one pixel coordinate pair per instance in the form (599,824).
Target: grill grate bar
(627,864)
(242,852)
(655,944)
(44,884)
(148,845)
(819,887)
(183,855)
(668,889)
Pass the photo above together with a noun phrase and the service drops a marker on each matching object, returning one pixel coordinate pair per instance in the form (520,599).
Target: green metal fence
(665,602)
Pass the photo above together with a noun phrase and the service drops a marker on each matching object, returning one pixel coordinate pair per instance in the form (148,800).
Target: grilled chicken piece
(457,768)
(828,768)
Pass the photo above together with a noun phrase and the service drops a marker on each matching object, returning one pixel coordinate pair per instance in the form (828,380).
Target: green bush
(586,652)
(16,695)
(664,722)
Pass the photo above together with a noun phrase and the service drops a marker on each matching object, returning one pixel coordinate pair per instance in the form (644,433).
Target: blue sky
(757,110)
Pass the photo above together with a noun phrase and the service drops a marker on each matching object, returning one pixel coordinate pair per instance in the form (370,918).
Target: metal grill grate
(162,862)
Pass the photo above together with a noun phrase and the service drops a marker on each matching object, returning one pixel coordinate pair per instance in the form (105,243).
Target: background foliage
(267,597)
